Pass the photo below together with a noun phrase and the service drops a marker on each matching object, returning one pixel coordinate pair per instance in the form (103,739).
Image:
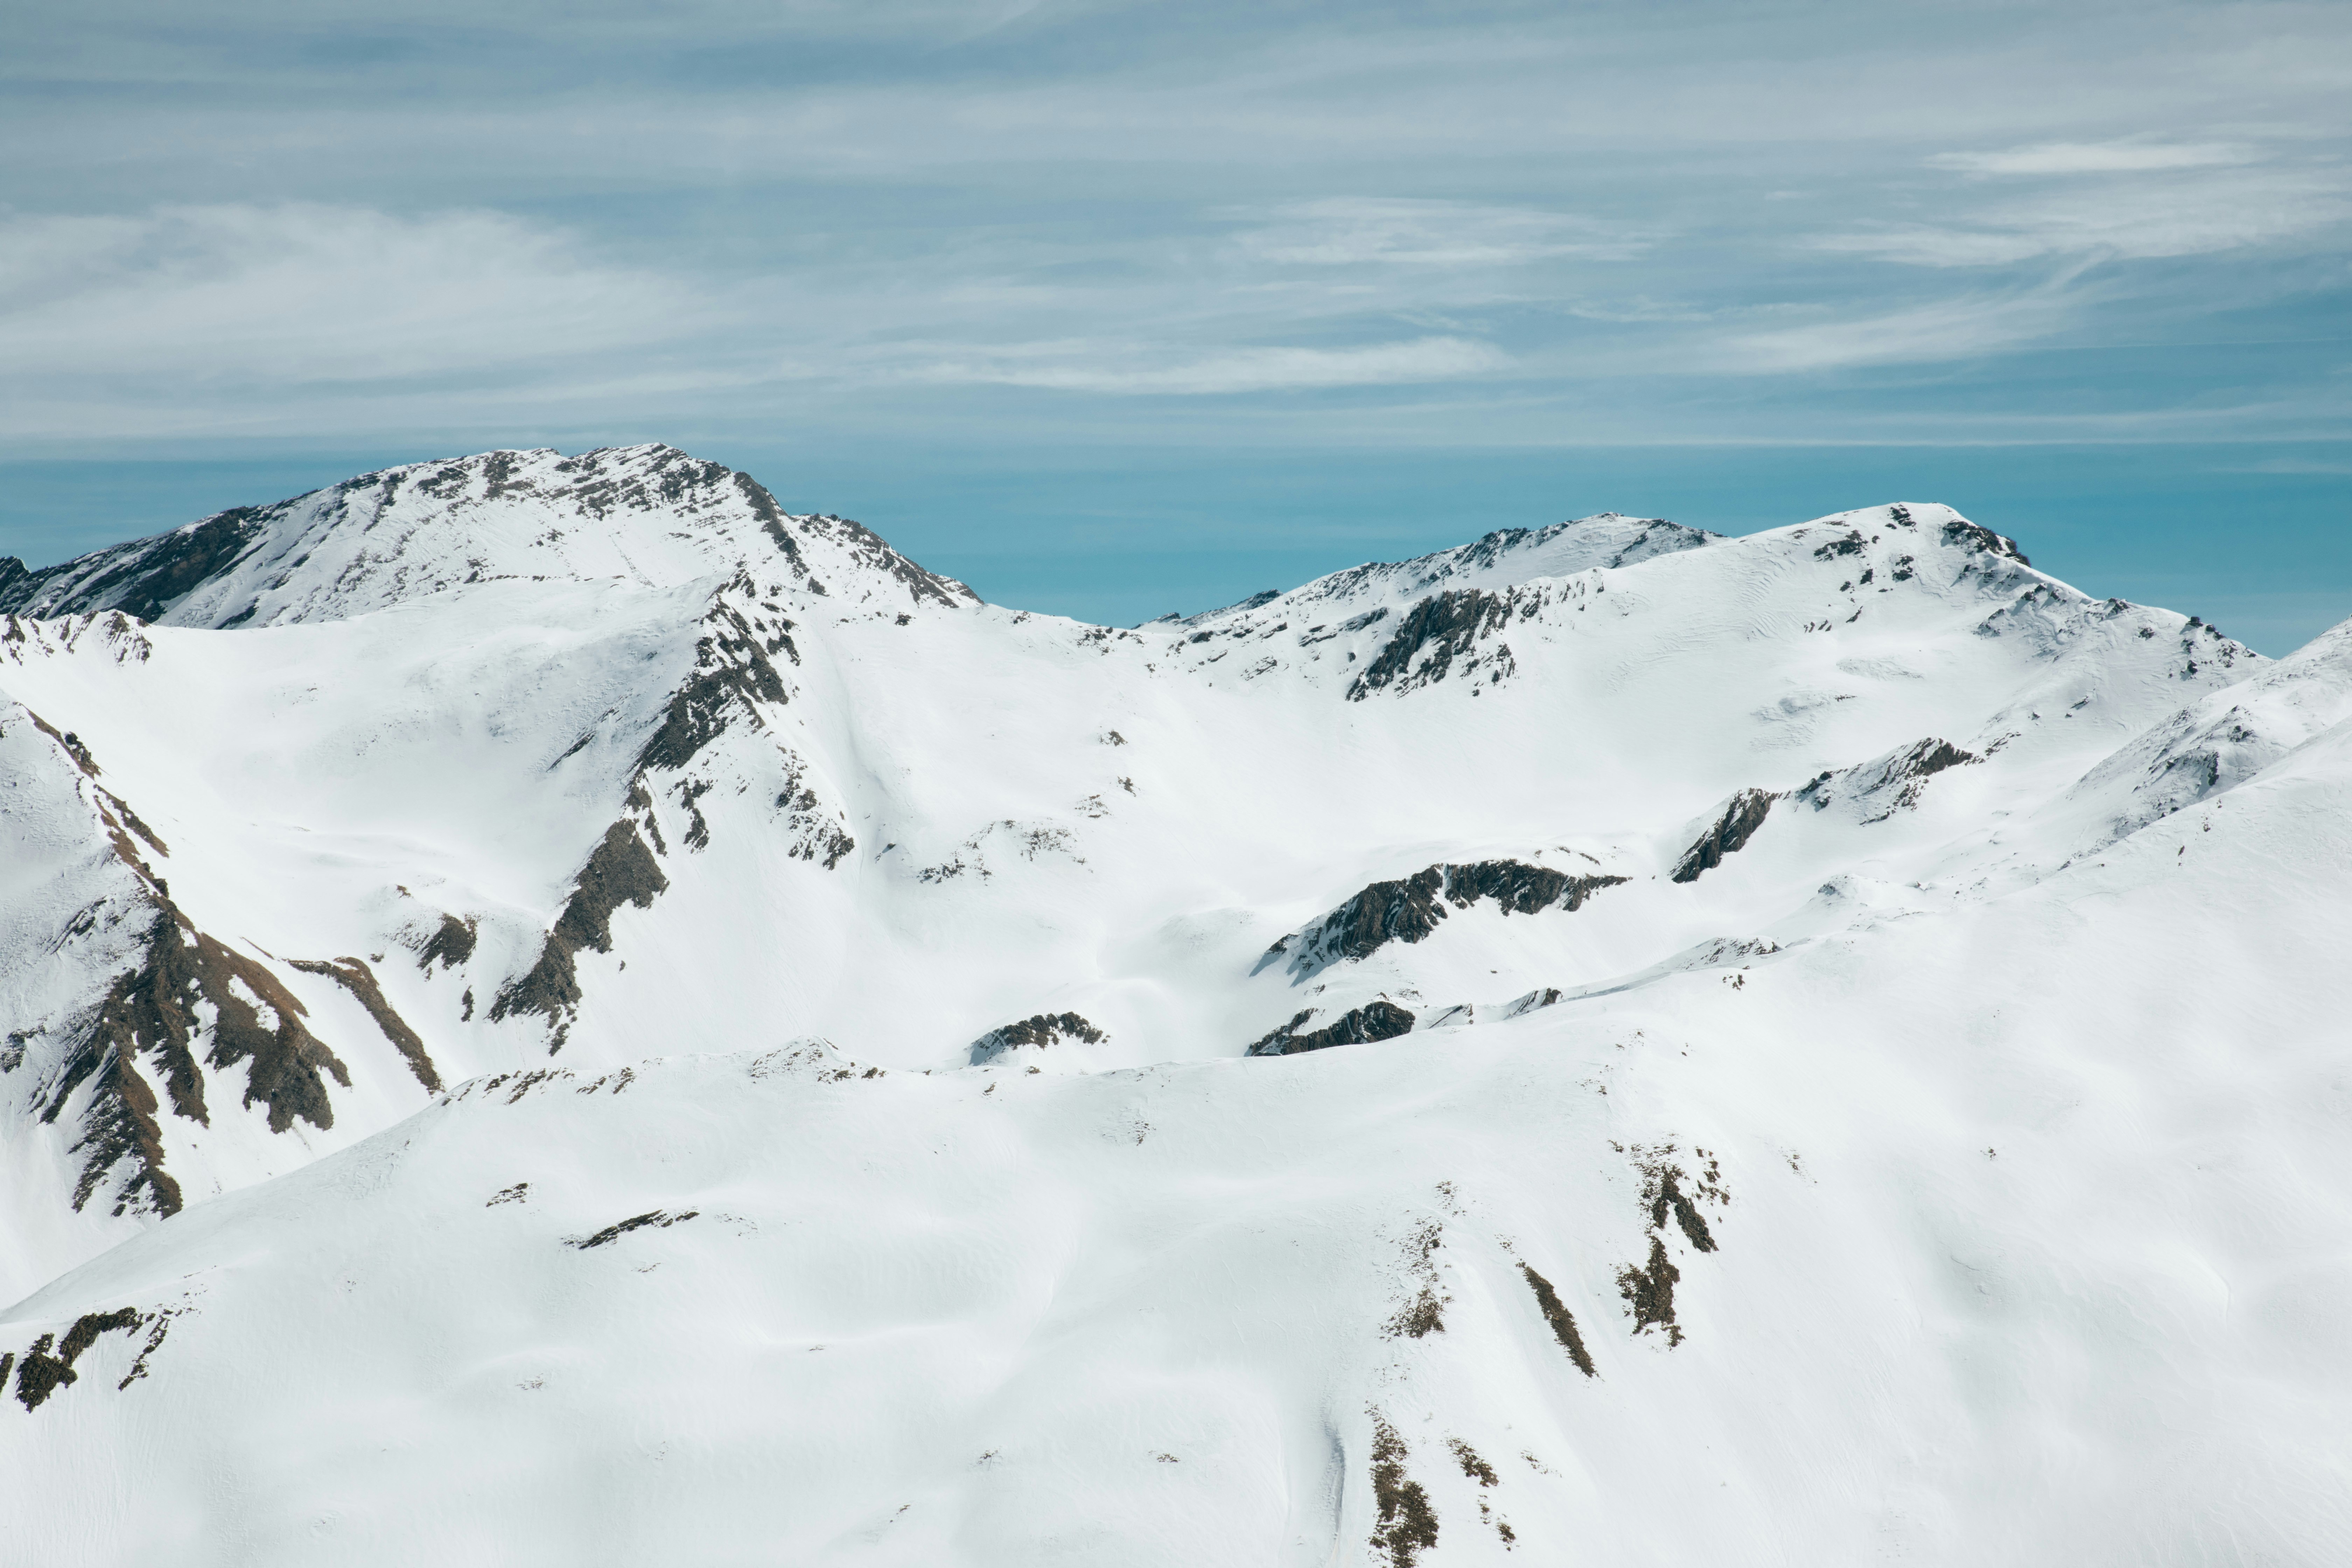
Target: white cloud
(1941,331)
(2130,156)
(302,294)
(1357,231)
(1080,367)
(2179,214)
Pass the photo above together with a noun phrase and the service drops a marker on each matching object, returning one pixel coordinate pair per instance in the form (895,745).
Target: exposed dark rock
(1408,1525)
(129,818)
(452,944)
(1409,909)
(1448,624)
(1534,1001)
(1373,1021)
(151,1013)
(731,667)
(1423,1313)
(621,870)
(356,977)
(868,550)
(70,743)
(613,1233)
(1890,783)
(1666,1197)
(1650,1293)
(1657,537)
(1477,1468)
(159,1325)
(1957,531)
(771,516)
(45,1371)
(145,578)
(665,478)
(1043,1029)
(1732,830)
(698,830)
(1563,1326)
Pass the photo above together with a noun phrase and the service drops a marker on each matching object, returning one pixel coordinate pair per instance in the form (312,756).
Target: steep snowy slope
(1752,1021)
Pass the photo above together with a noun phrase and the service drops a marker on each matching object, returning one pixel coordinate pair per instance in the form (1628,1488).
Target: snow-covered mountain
(555,1012)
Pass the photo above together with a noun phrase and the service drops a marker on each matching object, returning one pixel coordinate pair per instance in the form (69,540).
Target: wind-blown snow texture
(555,1012)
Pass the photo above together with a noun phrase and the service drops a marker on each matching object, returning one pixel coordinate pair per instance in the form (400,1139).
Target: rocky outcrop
(621,870)
(867,550)
(731,671)
(1959,530)
(167,1004)
(145,578)
(46,1370)
(425,528)
(1879,788)
(354,976)
(1040,1031)
(452,944)
(1562,1321)
(1409,909)
(156,1016)
(1430,637)
(1741,817)
(1372,1021)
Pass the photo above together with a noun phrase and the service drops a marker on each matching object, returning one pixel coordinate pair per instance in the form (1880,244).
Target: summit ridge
(554,985)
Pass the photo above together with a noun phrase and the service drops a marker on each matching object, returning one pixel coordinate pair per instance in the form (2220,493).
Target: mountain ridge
(320,555)
(1729,933)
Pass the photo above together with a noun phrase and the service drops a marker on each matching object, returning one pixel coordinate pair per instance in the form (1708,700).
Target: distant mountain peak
(651,514)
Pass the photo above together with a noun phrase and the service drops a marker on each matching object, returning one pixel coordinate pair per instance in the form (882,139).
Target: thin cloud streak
(1350,231)
(298,294)
(2096,158)
(1242,370)
(2134,218)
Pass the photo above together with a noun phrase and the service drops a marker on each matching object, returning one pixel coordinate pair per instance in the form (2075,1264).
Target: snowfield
(557,1013)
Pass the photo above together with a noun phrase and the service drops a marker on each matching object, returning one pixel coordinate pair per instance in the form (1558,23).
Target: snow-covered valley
(556,1013)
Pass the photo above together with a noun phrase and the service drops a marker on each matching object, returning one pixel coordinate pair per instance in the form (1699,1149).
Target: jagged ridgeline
(597,962)
(390,537)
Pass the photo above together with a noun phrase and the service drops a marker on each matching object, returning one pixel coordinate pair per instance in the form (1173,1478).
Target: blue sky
(1114,309)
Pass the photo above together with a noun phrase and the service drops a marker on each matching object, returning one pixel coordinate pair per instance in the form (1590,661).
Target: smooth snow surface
(492,957)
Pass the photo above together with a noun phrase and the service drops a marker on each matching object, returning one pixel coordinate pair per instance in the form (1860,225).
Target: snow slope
(1608,1042)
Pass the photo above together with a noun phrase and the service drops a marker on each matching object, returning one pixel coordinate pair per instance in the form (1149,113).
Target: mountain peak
(649,514)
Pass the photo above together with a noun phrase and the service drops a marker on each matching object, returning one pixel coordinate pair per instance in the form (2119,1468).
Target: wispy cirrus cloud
(2131,155)
(1352,231)
(1133,371)
(601,213)
(2120,210)
(300,293)
(1966,327)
